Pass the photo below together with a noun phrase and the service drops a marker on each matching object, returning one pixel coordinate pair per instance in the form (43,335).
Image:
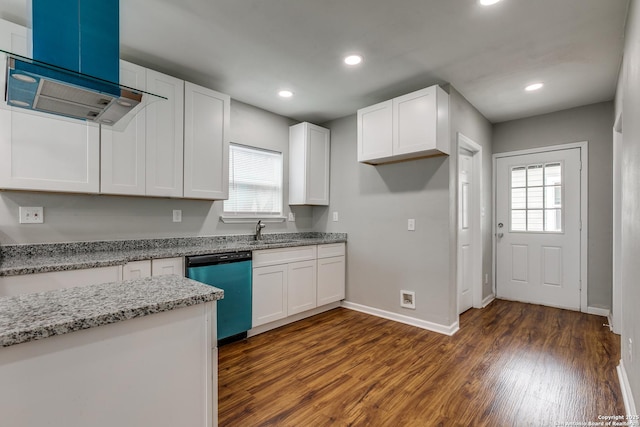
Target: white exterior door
(465,230)
(538,228)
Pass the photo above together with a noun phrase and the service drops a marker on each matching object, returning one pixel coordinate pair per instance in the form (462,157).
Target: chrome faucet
(259,227)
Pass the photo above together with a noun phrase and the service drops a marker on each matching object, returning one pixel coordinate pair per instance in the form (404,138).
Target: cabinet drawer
(283,255)
(331,250)
(43,282)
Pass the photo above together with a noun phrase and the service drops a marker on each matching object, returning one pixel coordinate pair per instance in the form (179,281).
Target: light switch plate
(411,224)
(177,215)
(292,217)
(31,215)
(335,217)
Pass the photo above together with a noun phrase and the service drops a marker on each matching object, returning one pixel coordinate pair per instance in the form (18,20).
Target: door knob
(500,235)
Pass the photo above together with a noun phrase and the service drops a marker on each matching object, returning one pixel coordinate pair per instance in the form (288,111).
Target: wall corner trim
(627,395)
(423,324)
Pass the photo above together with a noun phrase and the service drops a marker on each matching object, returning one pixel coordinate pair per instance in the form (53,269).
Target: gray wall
(628,103)
(468,121)
(592,123)
(374,203)
(92,217)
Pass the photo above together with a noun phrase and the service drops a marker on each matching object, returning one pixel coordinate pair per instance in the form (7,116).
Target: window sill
(251,219)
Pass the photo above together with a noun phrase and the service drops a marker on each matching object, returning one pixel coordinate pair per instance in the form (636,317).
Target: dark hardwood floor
(511,364)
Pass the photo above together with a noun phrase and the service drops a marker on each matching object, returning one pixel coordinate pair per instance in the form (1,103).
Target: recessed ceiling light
(353,59)
(534,86)
(23,78)
(285,93)
(488,2)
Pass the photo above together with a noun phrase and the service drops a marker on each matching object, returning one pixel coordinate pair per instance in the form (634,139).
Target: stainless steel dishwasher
(230,272)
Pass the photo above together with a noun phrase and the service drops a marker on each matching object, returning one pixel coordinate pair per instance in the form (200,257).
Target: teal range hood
(75,67)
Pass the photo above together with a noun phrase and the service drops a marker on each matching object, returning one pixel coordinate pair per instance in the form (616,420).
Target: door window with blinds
(255,182)
(536,198)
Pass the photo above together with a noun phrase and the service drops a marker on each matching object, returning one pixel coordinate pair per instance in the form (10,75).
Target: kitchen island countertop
(37,316)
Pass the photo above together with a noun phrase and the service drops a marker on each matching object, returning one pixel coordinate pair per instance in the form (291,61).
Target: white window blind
(255,182)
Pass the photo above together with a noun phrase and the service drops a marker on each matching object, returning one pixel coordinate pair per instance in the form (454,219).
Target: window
(536,198)
(255,182)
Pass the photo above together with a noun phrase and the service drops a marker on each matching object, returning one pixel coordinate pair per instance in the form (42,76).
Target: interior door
(538,228)
(465,230)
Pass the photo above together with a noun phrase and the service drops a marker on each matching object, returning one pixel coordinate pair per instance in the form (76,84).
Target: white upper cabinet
(39,151)
(375,131)
(206,143)
(122,154)
(146,158)
(411,126)
(165,126)
(309,156)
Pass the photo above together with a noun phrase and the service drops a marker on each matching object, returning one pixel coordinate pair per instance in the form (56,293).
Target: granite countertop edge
(31,264)
(32,317)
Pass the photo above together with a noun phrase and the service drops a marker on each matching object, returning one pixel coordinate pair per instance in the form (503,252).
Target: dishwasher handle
(212,259)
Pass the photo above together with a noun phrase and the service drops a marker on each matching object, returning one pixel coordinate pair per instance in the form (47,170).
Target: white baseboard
(430,326)
(627,395)
(488,300)
(276,324)
(604,312)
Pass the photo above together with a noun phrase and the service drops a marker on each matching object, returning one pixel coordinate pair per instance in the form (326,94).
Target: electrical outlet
(30,215)
(292,217)
(335,217)
(177,215)
(411,224)
(408,299)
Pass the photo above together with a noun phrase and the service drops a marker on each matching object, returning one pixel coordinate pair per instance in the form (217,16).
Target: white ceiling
(252,48)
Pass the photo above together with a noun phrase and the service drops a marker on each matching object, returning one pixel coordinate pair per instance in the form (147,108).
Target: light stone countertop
(41,258)
(37,316)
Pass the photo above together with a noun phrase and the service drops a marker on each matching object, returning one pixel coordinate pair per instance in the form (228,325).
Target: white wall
(374,203)
(92,217)
(592,123)
(628,102)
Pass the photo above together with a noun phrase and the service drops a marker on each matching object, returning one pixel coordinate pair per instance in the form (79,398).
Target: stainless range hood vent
(75,65)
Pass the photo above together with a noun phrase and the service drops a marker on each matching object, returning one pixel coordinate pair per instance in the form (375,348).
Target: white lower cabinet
(290,281)
(152,268)
(43,282)
(301,286)
(164,266)
(331,273)
(136,270)
(331,281)
(269,294)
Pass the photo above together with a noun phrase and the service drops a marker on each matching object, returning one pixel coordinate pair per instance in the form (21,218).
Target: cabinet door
(136,270)
(269,294)
(318,155)
(414,121)
(331,280)
(40,151)
(375,131)
(206,143)
(301,295)
(122,158)
(164,142)
(164,266)
(43,282)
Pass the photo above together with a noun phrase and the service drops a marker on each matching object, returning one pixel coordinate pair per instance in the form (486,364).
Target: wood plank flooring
(511,364)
